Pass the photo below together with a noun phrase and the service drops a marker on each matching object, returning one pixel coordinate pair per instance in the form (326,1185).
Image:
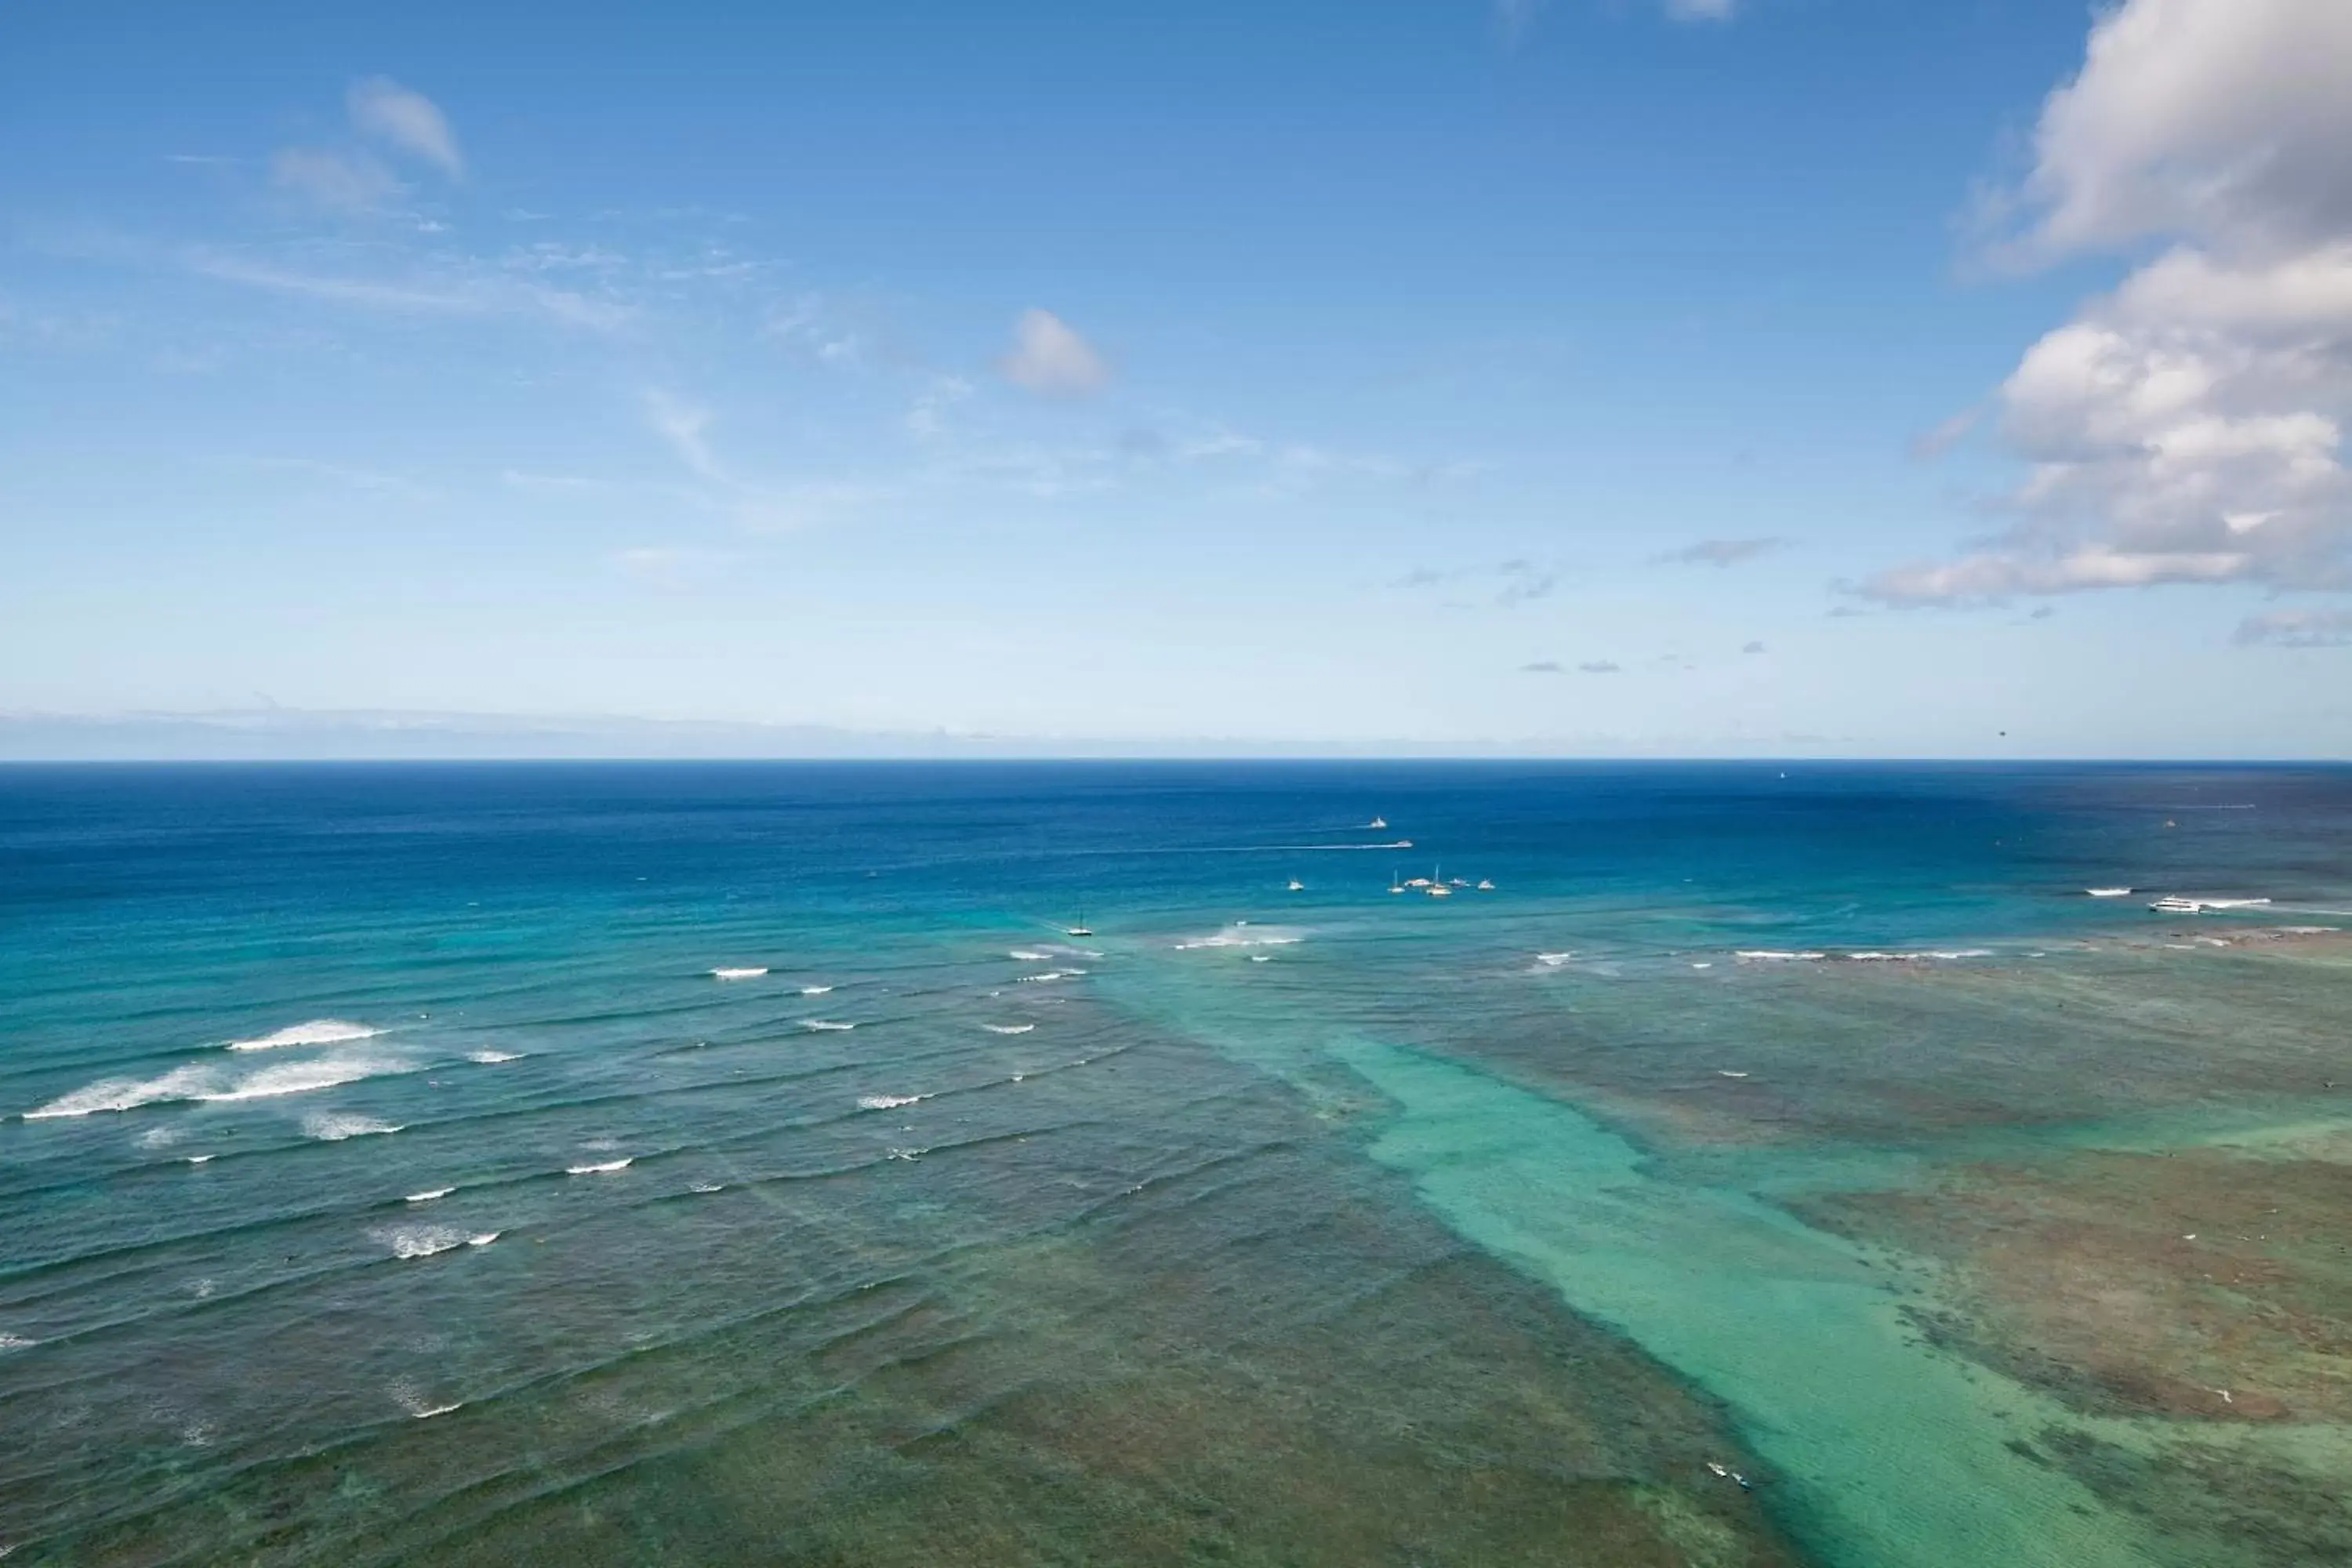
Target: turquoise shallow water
(390,1172)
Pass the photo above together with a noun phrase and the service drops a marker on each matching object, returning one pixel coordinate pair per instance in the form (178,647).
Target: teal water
(389,1172)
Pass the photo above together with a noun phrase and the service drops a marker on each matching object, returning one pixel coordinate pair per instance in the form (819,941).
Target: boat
(2174,904)
(1395,885)
(1297,886)
(1484,886)
(1378,822)
(1435,884)
(1081,929)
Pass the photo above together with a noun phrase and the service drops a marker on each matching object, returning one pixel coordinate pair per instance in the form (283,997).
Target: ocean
(1738,1163)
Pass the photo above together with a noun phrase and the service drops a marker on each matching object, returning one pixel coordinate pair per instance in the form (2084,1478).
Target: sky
(1591,377)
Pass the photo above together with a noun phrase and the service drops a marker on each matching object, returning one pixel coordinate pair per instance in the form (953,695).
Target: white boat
(1484,886)
(2174,904)
(1435,884)
(1395,885)
(1297,886)
(1378,822)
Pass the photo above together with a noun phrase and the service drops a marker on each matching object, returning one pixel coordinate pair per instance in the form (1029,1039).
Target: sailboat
(1437,887)
(1081,929)
(1395,885)
(1378,822)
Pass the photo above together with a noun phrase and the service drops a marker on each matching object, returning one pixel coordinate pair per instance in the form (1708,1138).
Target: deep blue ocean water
(390,1168)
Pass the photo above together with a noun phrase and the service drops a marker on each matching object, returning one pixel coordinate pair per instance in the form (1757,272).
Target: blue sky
(1777,376)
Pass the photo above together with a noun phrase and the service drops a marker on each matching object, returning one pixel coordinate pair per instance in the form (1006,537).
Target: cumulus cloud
(2297,628)
(1048,357)
(1751,647)
(1722,551)
(2186,427)
(406,121)
(1601,667)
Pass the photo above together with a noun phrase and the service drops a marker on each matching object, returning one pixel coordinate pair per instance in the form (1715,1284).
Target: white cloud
(407,122)
(1050,358)
(2187,425)
(349,182)
(1701,10)
(1601,667)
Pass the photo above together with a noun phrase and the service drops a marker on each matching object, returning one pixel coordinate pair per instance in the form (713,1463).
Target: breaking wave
(207,1084)
(317,1032)
(333,1127)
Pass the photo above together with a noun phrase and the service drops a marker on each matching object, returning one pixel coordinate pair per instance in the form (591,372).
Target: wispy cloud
(1702,10)
(347,182)
(1601,667)
(1524,581)
(2296,628)
(1751,647)
(1543,666)
(1943,436)
(1048,357)
(408,122)
(369,293)
(1722,551)
(681,424)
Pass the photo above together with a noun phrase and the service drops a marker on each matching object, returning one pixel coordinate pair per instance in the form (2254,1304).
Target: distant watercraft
(2174,904)
(1435,884)
(1297,886)
(1484,886)
(1378,822)
(1395,885)
(1081,929)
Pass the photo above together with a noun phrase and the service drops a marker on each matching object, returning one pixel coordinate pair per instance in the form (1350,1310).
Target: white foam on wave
(1029,955)
(428,1240)
(745,974)
(707,1186)
(16,1342)
(333,1127)
(1008,1028)
(200,1159)
(889,1101)
(430,1193)
(1775,955)
(1553,959)
(826,1025)
(431,1411)
(207,1084)
(816,989)
(317,1032)
(1241,934)
(604,1168)
(2107,892)
(493,1059)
